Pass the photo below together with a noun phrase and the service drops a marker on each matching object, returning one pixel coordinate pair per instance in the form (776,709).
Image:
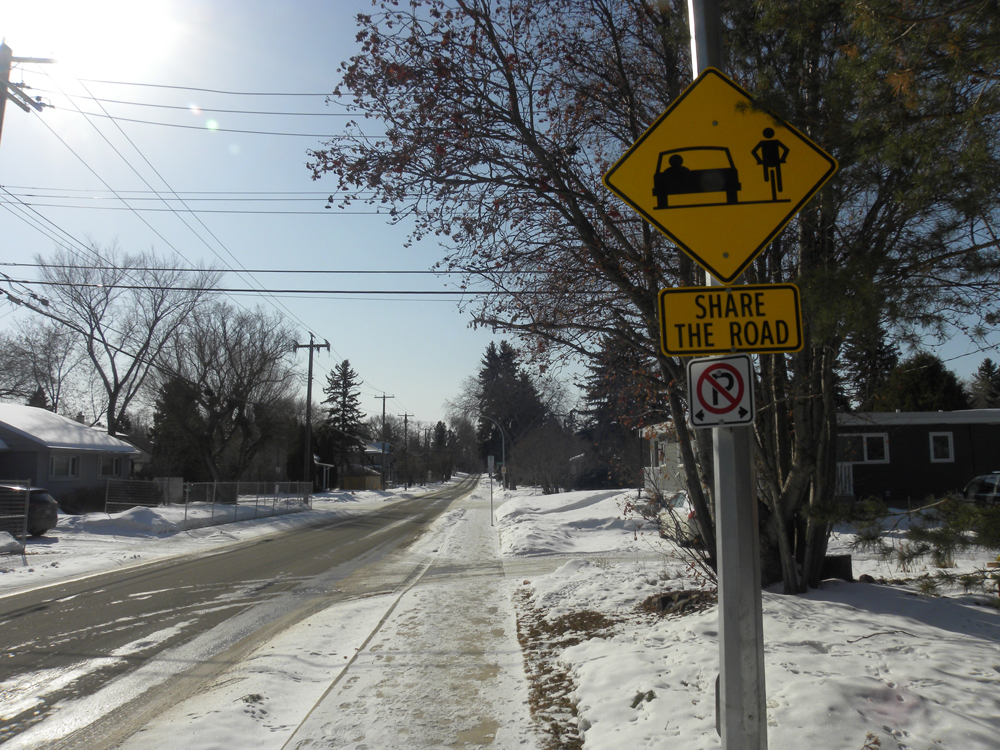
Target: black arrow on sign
(743,412)
(700,415)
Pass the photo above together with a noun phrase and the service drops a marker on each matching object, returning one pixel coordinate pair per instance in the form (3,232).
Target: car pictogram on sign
(721,391)
(695,169)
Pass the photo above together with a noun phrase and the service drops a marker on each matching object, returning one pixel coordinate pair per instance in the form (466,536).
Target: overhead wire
(119,196)
(192,229)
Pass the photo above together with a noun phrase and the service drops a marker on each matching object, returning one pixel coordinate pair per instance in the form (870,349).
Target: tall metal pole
(406,449)
(742,712)
(307,459)
(383,397)
(14,92)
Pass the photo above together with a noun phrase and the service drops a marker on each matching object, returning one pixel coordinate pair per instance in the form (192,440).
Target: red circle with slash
(724,398)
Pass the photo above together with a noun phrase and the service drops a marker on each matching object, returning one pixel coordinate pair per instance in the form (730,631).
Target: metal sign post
(490,464)
(742,715)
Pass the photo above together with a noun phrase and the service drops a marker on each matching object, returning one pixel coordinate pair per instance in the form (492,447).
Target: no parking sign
(720,391)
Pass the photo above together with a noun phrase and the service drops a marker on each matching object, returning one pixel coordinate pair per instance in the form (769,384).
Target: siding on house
(904,458)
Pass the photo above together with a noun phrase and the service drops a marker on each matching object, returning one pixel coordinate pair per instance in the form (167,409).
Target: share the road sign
(718,320)
(720,391)
(719,177)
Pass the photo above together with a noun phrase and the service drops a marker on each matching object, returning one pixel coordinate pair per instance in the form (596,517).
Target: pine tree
(922,383)
(39,399)
(507,397)
(622,394)
(984,388)
(869,361)
(343,432)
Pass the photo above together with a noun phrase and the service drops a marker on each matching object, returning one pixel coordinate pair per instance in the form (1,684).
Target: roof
(55,431)
(902,418)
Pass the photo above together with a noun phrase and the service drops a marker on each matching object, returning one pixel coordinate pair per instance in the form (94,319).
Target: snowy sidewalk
(445,668)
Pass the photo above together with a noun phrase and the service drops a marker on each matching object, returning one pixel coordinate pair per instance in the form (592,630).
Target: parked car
(984,490)
(677,520)
(43,510)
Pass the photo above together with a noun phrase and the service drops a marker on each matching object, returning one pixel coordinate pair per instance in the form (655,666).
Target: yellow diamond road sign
(717,177)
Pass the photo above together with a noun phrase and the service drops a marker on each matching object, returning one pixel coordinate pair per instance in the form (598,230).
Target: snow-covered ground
(440,658)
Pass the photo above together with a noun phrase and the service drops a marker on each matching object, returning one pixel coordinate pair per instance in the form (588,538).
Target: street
(163,629)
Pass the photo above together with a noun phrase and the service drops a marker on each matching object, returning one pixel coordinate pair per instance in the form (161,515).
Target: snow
(440,657)
(56,431)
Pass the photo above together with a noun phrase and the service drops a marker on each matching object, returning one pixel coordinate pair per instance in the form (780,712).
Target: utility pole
(383,397)
(15,91)
(406,466)
(307,459)
(741,717)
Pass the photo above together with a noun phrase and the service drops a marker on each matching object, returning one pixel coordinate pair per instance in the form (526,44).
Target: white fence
(212,503)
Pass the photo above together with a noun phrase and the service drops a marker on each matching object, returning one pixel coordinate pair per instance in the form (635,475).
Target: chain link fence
(14,509)
(123,494)
(210,503)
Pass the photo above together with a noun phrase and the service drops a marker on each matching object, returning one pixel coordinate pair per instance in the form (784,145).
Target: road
(159,631)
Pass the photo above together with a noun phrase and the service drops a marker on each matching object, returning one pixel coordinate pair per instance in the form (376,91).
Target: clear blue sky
(65,165)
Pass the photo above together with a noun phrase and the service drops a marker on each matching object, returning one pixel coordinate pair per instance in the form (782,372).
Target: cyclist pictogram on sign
(721,391)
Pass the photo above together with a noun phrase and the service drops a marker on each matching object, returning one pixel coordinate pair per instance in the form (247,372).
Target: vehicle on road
(43,510)
(983,490)
(696,169)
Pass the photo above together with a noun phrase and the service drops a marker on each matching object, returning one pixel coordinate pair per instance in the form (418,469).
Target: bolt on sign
(719,177)
(765,318)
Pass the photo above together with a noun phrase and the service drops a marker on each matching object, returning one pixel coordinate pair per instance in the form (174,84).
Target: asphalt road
(159,631)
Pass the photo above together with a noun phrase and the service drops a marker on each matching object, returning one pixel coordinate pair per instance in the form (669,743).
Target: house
(903,458)
(69,459)
(662,468)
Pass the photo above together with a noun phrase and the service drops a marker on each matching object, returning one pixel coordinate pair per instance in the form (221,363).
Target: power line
(249,270)
(250,290)
(193,108)
(259,212)
(204,90)
(216,129)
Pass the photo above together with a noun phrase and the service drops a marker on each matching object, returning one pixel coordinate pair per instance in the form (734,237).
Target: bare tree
(15,378)
(225,385)
(47,353)
(500,119)
(125,311)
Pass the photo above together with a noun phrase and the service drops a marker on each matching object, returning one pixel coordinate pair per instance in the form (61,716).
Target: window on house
(863,448)
(942,448)
(63,466)
(111,466)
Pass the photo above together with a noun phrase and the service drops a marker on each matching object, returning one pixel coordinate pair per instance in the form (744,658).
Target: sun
(96,39)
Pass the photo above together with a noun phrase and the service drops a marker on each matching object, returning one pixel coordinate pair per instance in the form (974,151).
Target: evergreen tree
(342,432)
(984,388)
(922,383)
(39,399)
(868,363)
(176,421)
(622,394)
(508,397)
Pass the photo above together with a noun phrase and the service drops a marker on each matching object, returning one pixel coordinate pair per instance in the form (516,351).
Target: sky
(844,664)
(256,208)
